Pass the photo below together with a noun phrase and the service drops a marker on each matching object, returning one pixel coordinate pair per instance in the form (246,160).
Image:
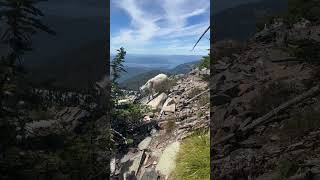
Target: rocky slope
(265,106)
(177,114)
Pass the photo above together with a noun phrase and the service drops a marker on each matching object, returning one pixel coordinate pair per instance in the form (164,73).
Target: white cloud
(146,32)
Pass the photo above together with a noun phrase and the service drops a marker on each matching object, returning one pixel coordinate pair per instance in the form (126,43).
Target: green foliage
(128,118)
(22,21)
(117,66)
(193,160)
(61,156)
(64,157)
(205,62)
(116,69)
(200,114)
(130,141)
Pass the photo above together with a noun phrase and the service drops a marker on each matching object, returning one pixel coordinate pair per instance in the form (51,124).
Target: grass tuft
(193,160)
(193,92)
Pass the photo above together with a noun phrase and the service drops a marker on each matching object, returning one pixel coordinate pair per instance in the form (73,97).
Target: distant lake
(157,61)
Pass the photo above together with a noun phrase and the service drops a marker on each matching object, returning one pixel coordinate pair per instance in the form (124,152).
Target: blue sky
(159,26)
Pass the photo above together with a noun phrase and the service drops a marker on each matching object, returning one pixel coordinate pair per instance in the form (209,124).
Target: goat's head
(145,88)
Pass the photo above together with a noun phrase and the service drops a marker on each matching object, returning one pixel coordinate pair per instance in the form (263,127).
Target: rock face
(252,131)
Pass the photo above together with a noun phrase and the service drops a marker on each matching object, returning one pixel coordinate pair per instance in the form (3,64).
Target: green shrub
(200,114)
(204,62)
(205,77)
(193,160)
(128,117)
(130,141)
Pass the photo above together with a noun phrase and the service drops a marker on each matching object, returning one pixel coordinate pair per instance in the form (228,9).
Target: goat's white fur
(153,83)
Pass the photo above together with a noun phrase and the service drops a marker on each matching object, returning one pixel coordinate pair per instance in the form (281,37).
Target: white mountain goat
(153,84)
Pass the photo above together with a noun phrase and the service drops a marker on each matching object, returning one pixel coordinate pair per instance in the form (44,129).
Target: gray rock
(158,101)
(167,161)
(149,174)
(144,144)
(131,163)
(112,165)
(205,71)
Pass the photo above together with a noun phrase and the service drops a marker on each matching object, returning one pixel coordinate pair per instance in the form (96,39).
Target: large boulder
(131,164)
(169,106)
(145,143)
(157,102)
(167,162)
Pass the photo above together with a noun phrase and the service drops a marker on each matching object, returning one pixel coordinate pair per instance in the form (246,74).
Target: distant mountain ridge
(134,82)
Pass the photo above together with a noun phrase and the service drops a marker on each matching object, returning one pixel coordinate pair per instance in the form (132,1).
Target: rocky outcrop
(177,114)
(262,98)
(69,118)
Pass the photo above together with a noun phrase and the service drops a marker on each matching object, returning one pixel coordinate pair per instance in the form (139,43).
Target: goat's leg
(151,89)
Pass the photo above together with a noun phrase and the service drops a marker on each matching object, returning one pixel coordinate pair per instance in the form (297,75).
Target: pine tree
(117,65)
(22,21)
